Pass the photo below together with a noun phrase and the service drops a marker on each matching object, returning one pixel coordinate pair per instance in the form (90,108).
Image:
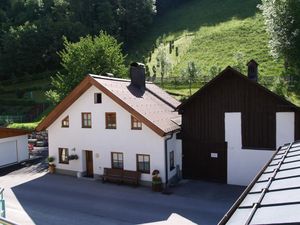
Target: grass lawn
(211,33)
(31,125)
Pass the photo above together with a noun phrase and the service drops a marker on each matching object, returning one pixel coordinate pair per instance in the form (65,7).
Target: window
(110,120)
(98,98)
(86,119)
(143,163)
(63,154)
(65,122)
(172,163)
(135,124)
(117,160)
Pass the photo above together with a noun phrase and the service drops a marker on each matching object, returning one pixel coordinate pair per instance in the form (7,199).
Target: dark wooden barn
(204,142)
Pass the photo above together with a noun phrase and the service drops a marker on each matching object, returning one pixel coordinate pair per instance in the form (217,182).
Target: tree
(192,73)
(134,17)
(22,51)
(163,62)
(239,62)
(282,19)
(92,54)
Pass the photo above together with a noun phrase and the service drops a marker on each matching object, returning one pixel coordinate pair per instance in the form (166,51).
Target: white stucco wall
(13,149)
(104,141)
(242,164)
(285,128)
(174,145)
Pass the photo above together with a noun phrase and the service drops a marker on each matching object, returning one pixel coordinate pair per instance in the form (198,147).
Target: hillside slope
(211,33)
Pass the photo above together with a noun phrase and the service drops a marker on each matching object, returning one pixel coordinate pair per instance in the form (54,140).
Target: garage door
(8,152)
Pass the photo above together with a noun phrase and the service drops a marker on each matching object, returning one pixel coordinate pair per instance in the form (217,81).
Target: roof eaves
(203,88)
(228,68)
(65,103)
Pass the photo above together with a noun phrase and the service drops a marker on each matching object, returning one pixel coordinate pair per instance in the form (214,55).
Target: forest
(32,31)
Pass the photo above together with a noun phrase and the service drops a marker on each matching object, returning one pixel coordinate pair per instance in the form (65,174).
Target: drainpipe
(166,158)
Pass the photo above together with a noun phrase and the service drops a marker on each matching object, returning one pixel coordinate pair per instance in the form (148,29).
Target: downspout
(166,158)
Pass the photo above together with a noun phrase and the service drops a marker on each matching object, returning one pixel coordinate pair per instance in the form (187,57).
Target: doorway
(89,163)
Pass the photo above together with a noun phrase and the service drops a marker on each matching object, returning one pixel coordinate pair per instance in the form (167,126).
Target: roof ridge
(114,78)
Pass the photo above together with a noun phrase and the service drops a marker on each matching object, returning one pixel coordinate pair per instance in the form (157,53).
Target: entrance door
(89,163)
(206,161)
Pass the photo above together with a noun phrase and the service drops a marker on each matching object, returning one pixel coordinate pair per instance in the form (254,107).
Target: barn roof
(153,106)
(273,197)
(230,71)
(10,132)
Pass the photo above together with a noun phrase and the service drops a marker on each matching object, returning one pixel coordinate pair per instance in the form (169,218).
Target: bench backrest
(132,174)
(110,171)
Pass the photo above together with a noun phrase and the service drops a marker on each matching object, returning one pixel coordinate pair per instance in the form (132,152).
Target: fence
(5,119)
(2,203)
(34,113)
(185,82)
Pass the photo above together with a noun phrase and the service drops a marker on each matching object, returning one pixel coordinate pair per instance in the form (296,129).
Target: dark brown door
(89,163)
(206,161)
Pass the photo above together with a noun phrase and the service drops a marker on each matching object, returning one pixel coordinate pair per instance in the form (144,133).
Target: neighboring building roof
(154,107)
(273,197)
(10,132)
(230,71)
(173,219)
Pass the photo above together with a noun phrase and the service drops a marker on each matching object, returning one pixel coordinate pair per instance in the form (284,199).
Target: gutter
(233,208)
(166,158)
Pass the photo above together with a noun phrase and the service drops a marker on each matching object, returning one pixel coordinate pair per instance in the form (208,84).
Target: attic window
(135,123)
(98,98)
(65,122)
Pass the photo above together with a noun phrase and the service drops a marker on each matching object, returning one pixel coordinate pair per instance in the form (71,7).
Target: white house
(115,123)
(13,146)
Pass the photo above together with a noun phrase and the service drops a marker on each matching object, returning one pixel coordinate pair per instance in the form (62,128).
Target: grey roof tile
(154,103)
(279,202)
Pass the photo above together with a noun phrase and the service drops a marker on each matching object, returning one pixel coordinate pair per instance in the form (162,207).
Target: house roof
(10,132)
(153,106)
(231,71)
(273,197)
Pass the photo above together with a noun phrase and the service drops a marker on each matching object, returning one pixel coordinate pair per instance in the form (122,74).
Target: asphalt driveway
(57,199)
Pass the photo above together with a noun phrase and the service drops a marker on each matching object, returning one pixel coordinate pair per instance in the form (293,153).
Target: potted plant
(51,165)
(156,181)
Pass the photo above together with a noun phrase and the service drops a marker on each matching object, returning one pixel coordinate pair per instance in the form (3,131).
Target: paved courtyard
(35,197)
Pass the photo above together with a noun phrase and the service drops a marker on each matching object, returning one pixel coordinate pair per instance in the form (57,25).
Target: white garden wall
(242,164)
(104,141)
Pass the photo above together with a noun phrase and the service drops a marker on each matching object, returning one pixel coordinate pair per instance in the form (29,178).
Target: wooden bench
(131,177)
(121,176)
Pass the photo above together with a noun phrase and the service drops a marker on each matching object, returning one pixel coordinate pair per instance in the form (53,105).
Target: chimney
(138,75)
(252,70)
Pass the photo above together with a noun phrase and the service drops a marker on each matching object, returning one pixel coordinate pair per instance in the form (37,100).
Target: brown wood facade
(203,125)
